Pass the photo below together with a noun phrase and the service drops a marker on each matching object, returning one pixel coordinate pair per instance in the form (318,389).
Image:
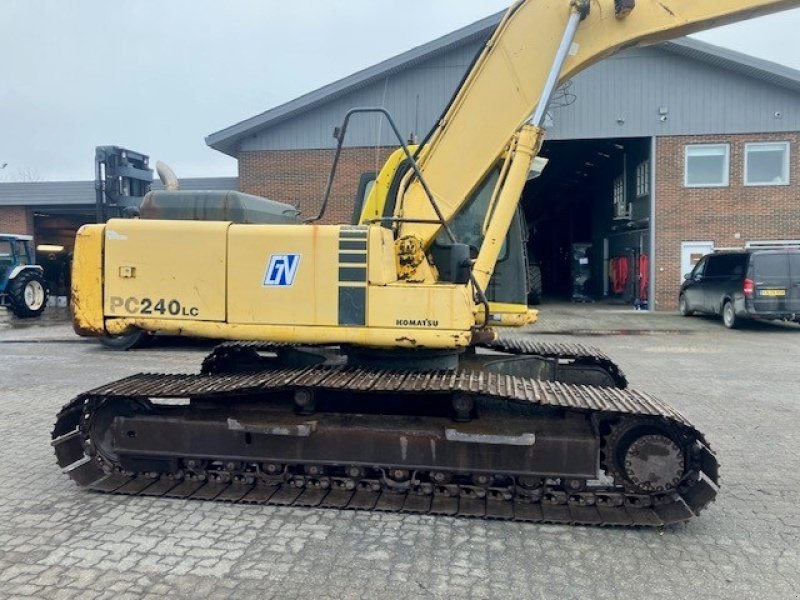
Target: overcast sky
(158,76)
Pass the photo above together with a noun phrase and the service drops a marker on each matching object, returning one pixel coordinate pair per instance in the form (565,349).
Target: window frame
(726,173)
(643,179)
(620,204)
(786,164)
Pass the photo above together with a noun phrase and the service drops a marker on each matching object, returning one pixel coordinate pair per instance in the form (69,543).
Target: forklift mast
(121,179)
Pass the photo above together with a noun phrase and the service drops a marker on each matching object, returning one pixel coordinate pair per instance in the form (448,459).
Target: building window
(766,163)
(707,165)
(620,205)
(643,179)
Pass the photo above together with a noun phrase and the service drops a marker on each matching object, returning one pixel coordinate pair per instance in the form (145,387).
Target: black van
(755,284)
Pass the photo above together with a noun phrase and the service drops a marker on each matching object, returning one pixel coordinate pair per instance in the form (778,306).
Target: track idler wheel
(649,459)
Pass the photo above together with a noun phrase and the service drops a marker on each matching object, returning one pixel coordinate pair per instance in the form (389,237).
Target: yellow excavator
(364,369)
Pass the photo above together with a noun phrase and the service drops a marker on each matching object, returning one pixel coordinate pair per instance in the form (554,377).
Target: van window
(771,265)
(794,266)
(725,265)
(697,272)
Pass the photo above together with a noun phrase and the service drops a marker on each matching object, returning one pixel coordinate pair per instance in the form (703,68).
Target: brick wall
(728,216)
(16,219)
(299,177)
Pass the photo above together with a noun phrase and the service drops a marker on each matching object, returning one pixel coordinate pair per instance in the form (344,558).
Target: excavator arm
(499,108)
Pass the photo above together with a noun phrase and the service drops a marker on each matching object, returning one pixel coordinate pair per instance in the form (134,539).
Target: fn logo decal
(281,270)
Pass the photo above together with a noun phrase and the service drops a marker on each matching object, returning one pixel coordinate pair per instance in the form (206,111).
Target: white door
(691,253)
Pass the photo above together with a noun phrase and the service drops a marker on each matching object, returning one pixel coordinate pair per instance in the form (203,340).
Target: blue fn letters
(281,270)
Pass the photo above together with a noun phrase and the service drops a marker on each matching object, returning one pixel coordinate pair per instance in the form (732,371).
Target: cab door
(693,286)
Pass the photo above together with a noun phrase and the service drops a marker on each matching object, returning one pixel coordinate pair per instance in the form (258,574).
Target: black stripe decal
(361,235)
(353,245)
(350,259)
(353,306)
(353,274)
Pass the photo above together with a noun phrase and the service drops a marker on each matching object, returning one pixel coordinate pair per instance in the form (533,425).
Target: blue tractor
(22,286)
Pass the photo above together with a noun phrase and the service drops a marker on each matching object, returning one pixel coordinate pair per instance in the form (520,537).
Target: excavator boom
(512,71)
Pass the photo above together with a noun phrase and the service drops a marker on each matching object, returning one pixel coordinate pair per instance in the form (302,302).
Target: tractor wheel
(128,341)
(27,294)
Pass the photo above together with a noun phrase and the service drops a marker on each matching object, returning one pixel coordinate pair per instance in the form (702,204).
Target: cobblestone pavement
(739,387)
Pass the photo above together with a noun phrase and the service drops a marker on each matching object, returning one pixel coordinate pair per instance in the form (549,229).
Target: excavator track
(620,496)
(243,356)
(572,353)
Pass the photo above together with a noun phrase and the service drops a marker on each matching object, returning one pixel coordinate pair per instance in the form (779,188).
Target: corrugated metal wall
(632,87)
(698,99)
(415,98)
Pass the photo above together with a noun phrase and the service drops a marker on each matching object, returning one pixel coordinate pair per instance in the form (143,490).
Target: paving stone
(738,387)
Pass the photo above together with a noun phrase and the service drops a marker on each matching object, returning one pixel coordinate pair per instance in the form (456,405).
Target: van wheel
(729,316)
(683,307)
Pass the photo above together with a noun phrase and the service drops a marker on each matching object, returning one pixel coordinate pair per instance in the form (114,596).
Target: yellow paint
(507,315)
(179,269)
(382,269)
(523,149)
(376,201)
(407,306)
(310,300)
(87,281)
(362,336)
(164,263)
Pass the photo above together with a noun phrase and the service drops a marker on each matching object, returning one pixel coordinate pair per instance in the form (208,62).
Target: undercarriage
(282,425)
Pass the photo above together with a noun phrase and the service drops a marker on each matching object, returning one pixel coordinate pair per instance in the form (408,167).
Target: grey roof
(65,193)
(46,193)
(227,140)
(744,64)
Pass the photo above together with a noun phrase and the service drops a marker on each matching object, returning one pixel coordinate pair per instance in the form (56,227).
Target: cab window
(22,254)
(699,269)
(6,257)
(467,225)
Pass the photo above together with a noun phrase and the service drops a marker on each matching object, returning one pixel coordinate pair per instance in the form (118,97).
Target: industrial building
(657,155)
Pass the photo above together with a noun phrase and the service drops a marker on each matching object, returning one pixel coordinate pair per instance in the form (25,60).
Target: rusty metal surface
(473,383)
(587,355)
(600,506)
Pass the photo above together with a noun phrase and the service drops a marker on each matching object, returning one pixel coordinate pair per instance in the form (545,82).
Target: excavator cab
(509,286)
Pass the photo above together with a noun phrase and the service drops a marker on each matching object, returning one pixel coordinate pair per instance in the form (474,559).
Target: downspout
(651,288)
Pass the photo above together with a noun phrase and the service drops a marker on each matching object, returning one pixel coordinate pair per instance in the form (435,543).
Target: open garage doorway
(54,230)
(588,216)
